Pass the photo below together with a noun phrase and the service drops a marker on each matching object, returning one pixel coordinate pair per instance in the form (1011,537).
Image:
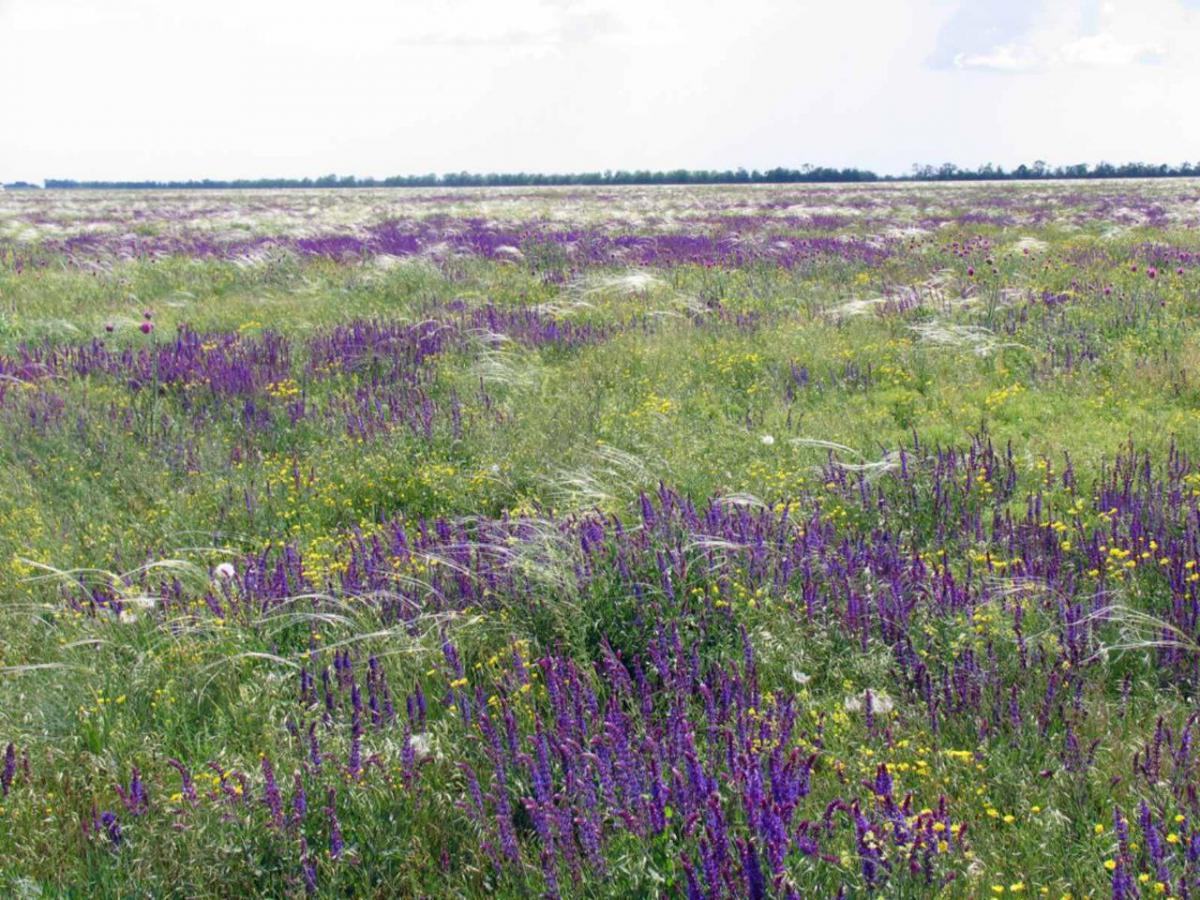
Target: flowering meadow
(755,541)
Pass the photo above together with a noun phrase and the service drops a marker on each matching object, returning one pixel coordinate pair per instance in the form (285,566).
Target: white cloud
(1099,50)
(245,88)
(1004,58)
(1078,34)
(547,24)
(1106,49)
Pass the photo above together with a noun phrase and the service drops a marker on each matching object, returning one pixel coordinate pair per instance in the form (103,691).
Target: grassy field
(690,542)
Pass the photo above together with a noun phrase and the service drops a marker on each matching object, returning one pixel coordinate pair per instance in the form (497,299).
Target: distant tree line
(803,175)
(1040,170)
(505,179)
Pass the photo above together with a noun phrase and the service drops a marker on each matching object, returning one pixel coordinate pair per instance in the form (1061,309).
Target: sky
(175,89)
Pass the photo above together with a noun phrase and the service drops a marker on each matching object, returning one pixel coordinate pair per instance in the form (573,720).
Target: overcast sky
(162,89)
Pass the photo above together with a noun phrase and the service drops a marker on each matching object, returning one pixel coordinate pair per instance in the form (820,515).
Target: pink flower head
(147,315)
(147,327)
(970,271)
(1152,272)
(108,326)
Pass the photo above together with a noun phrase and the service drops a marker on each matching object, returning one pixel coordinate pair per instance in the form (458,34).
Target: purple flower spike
(10,768)
(336,843)
(271,796)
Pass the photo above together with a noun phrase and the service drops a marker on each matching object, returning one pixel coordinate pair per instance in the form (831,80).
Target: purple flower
(189,786)
(10,768)
(108,824)
(336,843)
(308,868)
(134,797)
(271,797)
(299,800)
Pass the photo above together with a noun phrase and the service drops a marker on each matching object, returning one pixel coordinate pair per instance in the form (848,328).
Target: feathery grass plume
(976,338)
(627,284)
(1028,244)
(500,362)
(889,462)
(820,444)
(1139,631)
(851,308)
(608,473)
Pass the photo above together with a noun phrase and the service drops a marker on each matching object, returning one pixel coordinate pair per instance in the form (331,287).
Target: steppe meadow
(724,541)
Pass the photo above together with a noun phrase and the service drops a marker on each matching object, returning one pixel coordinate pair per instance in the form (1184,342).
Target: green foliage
(681,391)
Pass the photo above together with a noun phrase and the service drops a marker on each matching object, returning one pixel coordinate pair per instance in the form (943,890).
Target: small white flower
(422,746)
(767,440)
(800,678)
(224,571)
(880,702)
